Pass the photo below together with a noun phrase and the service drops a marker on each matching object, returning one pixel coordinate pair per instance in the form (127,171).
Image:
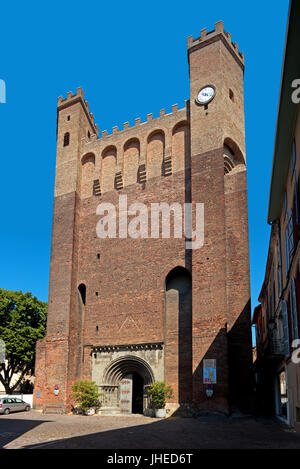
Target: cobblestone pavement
(34,430)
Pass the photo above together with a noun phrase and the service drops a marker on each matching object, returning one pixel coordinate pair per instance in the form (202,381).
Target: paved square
(34,430)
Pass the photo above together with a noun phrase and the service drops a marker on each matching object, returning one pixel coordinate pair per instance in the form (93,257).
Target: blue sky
(130,58)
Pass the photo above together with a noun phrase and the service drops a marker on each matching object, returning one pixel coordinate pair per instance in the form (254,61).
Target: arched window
(228,164)
(155,154)
(87,174)
(180,146)
(131,161)
(108,169)
(66,139)
(233,157)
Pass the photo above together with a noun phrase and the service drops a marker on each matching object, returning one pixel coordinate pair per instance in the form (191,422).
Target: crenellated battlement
(209,37)
(138,122)
(75,98)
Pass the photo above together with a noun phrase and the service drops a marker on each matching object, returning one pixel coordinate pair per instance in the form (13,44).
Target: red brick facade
(202,309)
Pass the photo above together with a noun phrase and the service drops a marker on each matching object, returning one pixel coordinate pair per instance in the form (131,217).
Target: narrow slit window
(66,139)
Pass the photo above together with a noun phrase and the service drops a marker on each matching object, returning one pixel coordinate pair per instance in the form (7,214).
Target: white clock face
(206,94)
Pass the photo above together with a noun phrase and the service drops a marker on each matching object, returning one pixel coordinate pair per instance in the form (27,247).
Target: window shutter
(279,278)
(296,201)
(294,310)
(285,323)
(279,281)
(287,257)
(291,232)
(289,240)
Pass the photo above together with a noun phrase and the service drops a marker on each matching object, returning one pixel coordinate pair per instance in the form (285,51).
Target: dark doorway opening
(137,393)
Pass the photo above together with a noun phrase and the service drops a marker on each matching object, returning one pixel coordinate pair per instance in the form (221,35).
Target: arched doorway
(137,394)
(132,375)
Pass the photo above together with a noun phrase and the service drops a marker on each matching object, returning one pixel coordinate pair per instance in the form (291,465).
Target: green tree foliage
(22,323)
(85,394)
(159,393)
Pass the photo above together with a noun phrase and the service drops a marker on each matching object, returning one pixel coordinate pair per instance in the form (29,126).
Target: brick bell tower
(220,270)
(99,307)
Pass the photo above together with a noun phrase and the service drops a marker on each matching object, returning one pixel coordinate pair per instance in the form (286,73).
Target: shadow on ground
(10,429)
(176,433)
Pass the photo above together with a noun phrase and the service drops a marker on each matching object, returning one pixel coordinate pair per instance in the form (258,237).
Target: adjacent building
(277,318)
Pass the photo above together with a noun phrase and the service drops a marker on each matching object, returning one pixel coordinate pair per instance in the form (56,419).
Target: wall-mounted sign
(209,371)
(56,390)
(38,394)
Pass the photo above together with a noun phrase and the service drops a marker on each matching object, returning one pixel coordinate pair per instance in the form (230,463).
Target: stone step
(109,411)
(54,409)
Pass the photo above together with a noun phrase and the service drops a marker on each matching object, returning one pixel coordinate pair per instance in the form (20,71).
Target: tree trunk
(6,380)
(7,388)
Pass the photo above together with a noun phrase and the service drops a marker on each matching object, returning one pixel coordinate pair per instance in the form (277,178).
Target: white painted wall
(25,397)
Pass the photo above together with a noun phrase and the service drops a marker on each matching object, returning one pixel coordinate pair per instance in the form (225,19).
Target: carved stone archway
(123,374)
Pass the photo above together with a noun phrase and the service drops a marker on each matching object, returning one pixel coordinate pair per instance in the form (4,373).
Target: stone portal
(123,374)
